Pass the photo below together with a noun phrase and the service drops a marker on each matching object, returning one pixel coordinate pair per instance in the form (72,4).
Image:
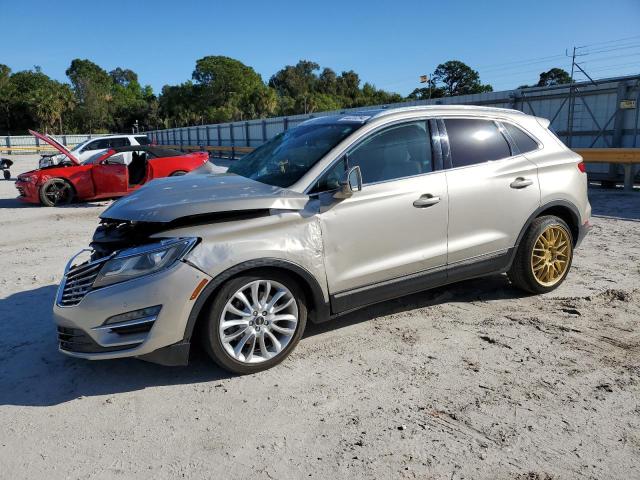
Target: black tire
(56,192)
(6,174)
(210,334)
(521,273)
(178,173)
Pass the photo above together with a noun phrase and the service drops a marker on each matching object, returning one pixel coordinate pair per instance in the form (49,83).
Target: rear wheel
(255,322)
(544,256)
(56,192)
(178,173)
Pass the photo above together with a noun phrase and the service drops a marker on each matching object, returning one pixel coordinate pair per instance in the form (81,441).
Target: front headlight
(140,261)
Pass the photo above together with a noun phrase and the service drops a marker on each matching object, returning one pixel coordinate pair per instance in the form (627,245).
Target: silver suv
(338,213)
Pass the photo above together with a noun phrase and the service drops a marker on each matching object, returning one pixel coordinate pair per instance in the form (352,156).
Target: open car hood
(55,144)
(168,199)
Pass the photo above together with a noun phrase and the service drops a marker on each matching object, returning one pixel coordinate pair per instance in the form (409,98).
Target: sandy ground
(469,381)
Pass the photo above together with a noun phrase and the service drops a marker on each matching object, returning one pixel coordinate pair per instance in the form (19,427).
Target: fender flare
(554,203)
(320,306)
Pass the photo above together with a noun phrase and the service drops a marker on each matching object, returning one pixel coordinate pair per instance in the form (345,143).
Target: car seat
(137,168)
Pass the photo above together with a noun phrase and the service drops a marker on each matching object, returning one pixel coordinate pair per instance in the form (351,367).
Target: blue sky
(388,43)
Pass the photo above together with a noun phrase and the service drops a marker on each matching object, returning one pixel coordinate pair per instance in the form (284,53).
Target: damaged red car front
(106,175)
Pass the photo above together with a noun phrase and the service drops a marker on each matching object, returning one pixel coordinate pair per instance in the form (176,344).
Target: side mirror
(352,182)
(115,160)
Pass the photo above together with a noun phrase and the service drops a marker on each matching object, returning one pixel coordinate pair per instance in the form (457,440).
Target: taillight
(582,167)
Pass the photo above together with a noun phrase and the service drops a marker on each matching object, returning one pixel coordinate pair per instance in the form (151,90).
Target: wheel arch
(43,180)
(317,305)
(559,208)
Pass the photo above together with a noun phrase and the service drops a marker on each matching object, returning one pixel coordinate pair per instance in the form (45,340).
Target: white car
(89,148)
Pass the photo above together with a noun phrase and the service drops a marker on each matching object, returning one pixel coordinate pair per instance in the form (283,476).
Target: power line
(613,49)
(595,60)
(523,61)
(609,41)
(507,67)
(613,67)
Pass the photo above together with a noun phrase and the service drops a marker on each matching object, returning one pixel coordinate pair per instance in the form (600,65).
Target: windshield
(92,159)
(79,146)
(284,159)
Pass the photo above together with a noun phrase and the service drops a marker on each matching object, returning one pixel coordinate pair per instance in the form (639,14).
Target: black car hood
(167,199)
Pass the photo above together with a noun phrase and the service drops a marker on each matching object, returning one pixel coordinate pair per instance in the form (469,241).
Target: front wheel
(56,192)
(255,322)
(544,256)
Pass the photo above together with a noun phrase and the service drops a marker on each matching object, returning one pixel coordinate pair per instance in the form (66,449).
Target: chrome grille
(78,282)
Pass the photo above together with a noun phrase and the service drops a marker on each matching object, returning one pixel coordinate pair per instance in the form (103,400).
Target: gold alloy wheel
(550,255)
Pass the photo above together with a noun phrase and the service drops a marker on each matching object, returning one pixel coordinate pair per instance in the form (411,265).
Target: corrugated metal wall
(595,120)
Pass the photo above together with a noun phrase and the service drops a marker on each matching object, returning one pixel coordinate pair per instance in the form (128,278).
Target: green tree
(93,92)
(295,81)
(457,78)
(130,102)
(348,86)
(6,96)
(328,82)
(177,105)
(259,103)
(554,76)
(370,95)
(34,101)
(222,84)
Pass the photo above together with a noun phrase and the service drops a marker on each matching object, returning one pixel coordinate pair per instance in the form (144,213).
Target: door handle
(521,182)
(426,200)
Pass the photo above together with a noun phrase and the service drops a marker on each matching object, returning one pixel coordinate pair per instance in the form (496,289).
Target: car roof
(117,135)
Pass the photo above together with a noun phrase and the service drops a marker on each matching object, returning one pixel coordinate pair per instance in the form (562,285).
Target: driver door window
(396,152)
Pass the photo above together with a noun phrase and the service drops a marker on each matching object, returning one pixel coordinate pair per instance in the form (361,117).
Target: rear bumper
(582,232)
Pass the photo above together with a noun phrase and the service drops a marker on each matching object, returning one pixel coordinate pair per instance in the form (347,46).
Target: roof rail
(391,111)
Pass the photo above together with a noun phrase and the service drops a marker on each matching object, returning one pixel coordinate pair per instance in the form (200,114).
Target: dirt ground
(474,380)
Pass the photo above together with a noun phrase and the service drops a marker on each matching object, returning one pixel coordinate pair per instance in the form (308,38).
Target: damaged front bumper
(27,191)
(143,317)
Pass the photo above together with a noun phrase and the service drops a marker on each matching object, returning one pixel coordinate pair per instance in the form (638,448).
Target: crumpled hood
(167,199)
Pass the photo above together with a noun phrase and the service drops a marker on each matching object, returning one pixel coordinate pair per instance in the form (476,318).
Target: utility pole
(428,79)
(571,100)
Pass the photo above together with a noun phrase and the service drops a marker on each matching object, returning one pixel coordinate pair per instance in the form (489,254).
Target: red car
(113,173)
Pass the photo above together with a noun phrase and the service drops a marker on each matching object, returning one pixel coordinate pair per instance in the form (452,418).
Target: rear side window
(119,142)
(475,141)
(523,141)
(143,140)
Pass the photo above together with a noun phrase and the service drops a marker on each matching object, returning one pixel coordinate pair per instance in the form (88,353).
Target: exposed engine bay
(50,161)
(113,235)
